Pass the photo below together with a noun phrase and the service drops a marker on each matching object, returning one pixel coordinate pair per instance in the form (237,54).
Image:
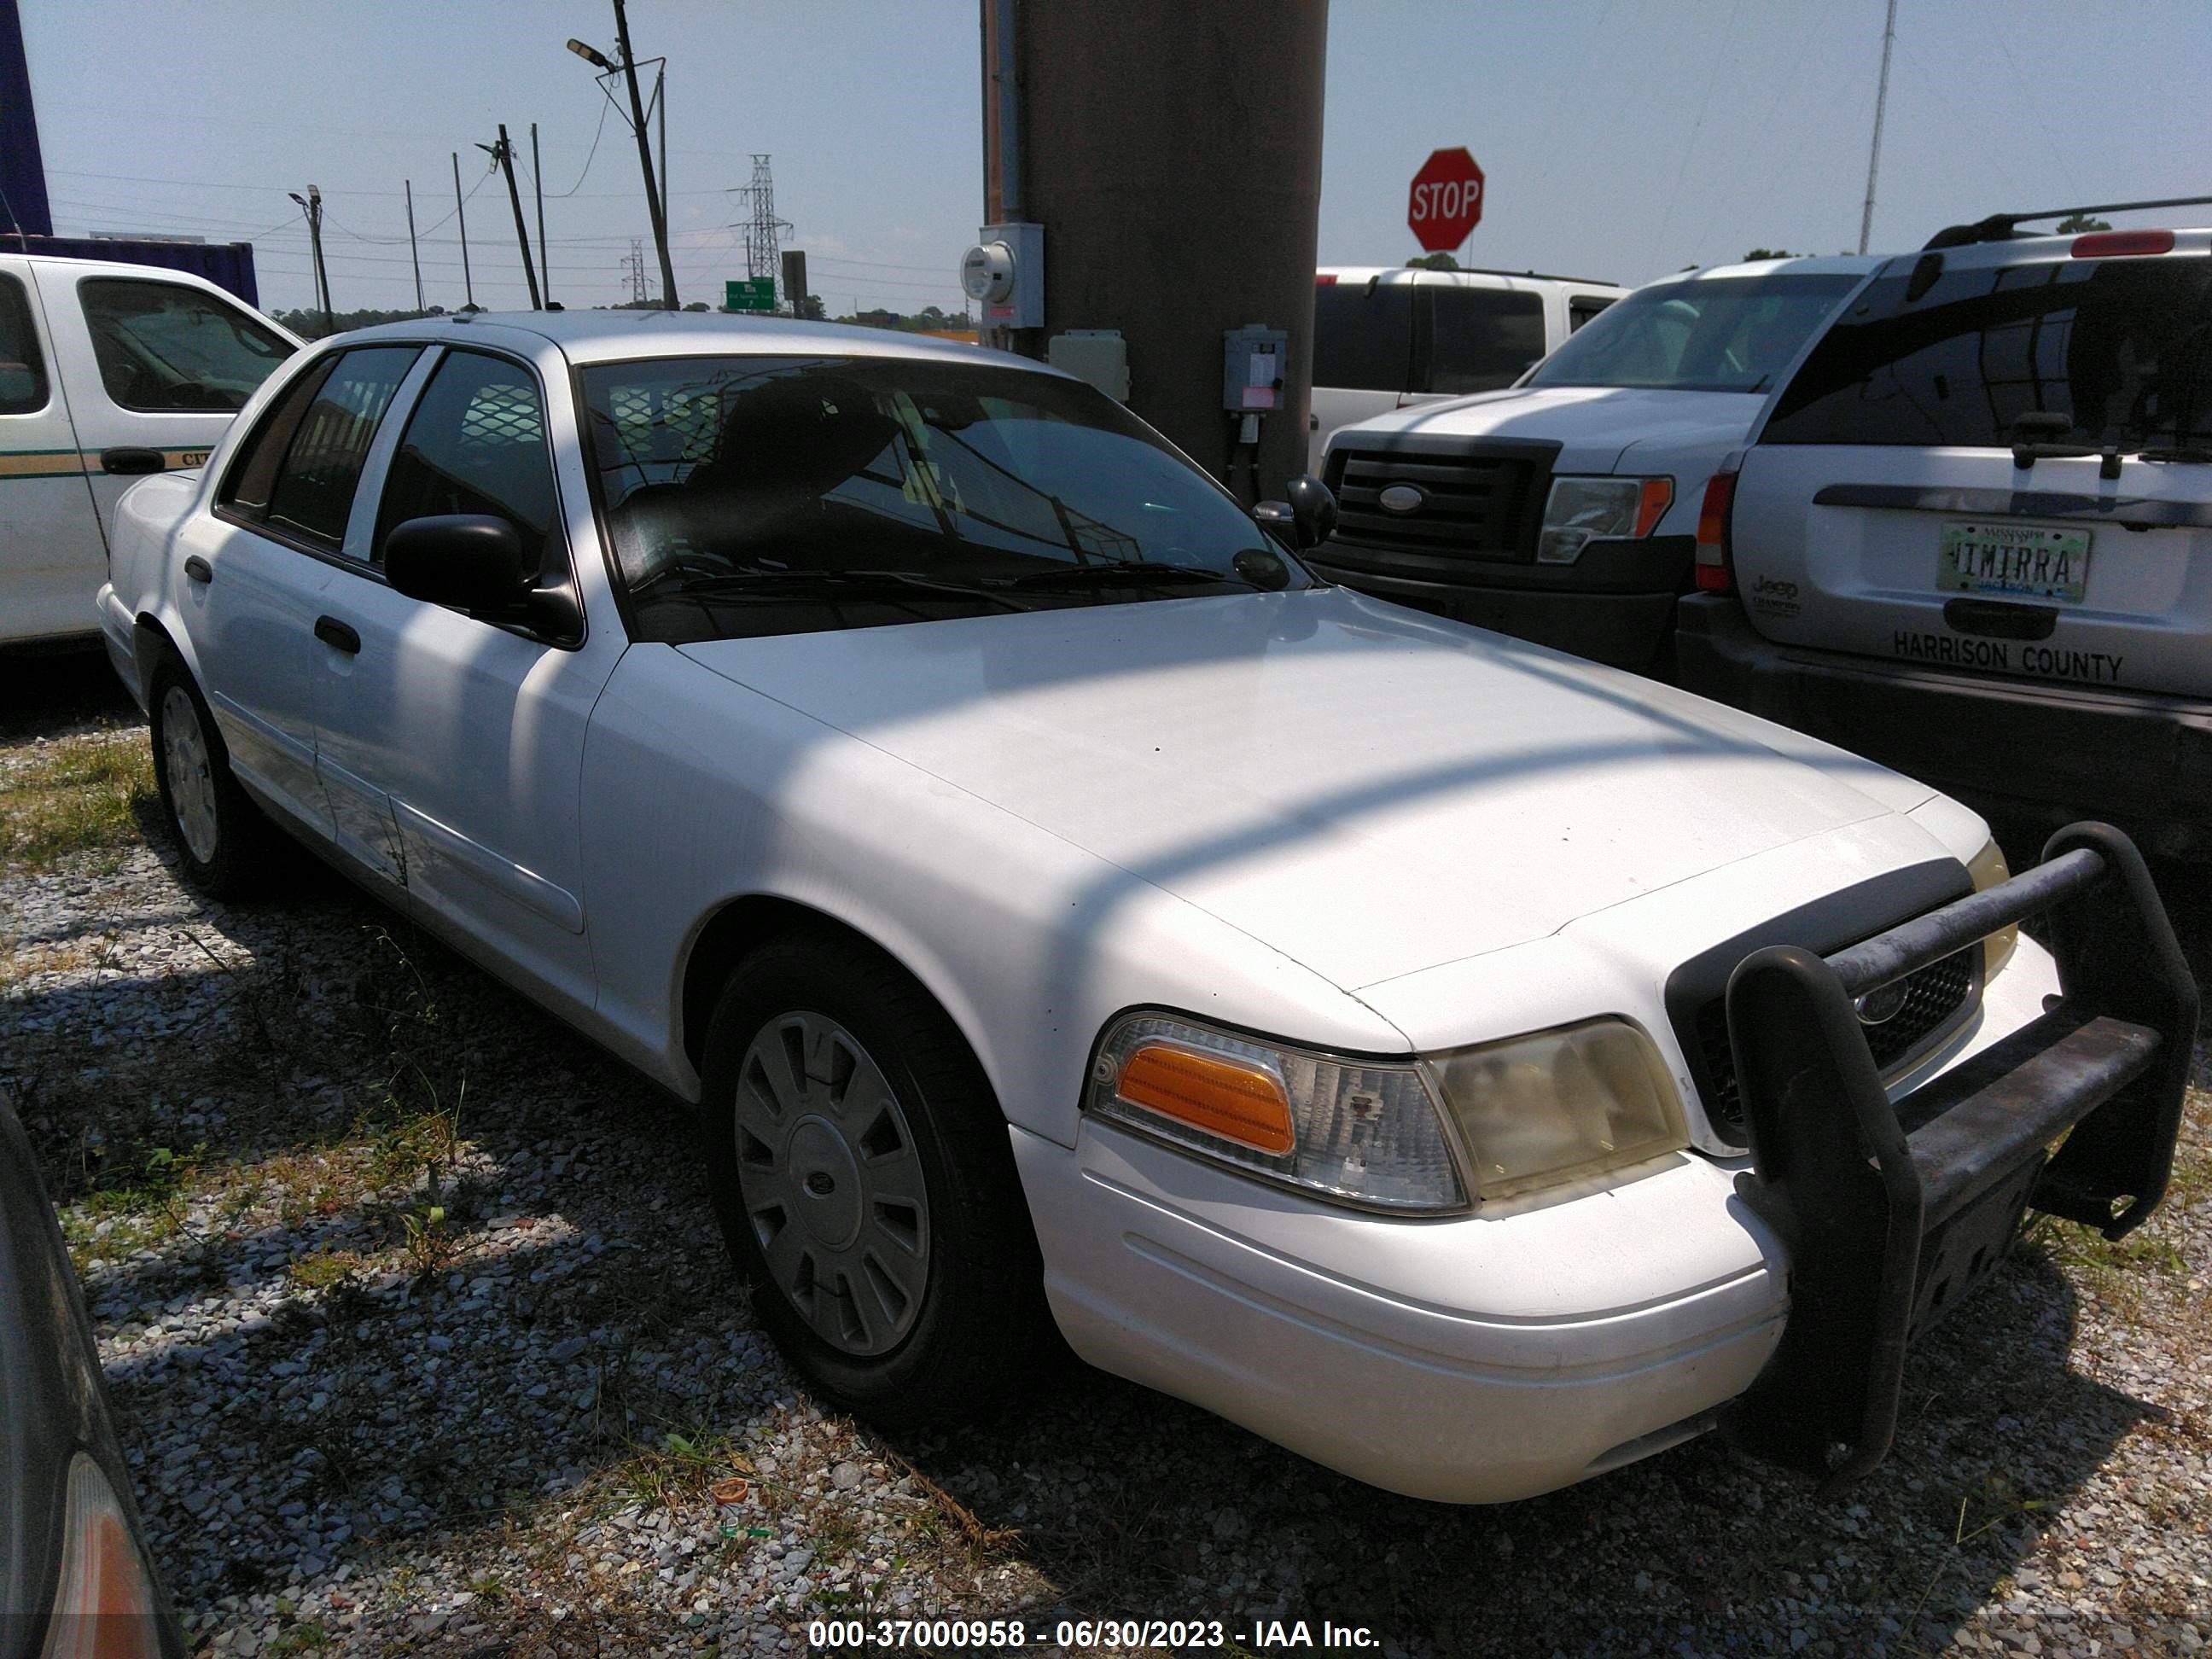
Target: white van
(1385,337)
(107,372)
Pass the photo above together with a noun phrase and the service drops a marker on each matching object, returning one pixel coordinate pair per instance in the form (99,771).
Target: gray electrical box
(1256,369)
(1004,274)
(1099,355)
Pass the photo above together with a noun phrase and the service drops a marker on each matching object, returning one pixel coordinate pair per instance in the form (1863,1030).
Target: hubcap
(184,764)
(831,1182)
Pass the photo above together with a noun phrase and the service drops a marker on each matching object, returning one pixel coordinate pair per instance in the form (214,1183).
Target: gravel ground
(422,1339)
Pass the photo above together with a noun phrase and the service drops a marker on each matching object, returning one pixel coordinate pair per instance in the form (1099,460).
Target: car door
(469,734)
(273,543)
(51,555)
(156,368)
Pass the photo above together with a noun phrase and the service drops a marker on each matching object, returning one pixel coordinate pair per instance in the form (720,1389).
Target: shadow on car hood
(1365,789)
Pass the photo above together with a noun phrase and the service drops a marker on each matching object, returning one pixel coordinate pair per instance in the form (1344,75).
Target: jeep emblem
(1401,498)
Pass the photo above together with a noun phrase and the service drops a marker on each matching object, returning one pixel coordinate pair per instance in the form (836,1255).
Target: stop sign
(1447,200)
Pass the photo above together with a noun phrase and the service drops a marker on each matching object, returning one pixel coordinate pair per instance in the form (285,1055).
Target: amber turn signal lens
(1236,1102)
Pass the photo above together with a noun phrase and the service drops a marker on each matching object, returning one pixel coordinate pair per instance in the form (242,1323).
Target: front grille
(1473,504)
(1937,998)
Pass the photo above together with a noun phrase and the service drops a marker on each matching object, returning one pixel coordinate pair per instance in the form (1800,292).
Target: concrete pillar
(1171,150)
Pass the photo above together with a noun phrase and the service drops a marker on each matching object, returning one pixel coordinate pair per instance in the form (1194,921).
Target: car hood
(1367,790)
(1593,425)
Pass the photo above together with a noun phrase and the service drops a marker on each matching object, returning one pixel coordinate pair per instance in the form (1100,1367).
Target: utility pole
(414,257)
(460,212)
(763,231)
(502,153)
(1881,97)
(633,266)
(538,183)
(655,206)
(312,205)
(1226,196)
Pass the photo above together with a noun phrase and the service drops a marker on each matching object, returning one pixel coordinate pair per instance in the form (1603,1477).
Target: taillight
(104,1603)
(2114,244)
(1716,563)
(1325,279)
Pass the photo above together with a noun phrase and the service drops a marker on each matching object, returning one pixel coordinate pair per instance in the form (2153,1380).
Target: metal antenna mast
(1881,97)
(763,231)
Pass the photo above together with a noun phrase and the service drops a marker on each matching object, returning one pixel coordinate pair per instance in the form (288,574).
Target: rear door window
(2121,348)
(163,347)
(476,443)
(1581,308)
(1481,338)
(22,367)
(1363,336)
(322,429)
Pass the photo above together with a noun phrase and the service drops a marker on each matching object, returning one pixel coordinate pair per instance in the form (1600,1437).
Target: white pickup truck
(1565,509)
(107,372)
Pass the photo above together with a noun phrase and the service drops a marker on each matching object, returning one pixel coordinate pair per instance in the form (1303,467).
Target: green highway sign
(749,293)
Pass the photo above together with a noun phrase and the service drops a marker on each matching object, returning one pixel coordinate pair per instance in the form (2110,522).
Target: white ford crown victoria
(1471,1067)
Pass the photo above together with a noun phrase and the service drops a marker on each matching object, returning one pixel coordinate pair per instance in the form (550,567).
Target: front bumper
(118,632)
(1506,1353)
(1472,1359)
(1616,605)
(2140,759)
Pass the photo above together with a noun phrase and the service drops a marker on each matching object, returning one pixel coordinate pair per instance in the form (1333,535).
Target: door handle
(337,635)
(199,569)
(126,460)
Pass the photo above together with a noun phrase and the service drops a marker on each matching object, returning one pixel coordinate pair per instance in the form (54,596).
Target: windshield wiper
(834,585)
(2199,452)
(1134,573)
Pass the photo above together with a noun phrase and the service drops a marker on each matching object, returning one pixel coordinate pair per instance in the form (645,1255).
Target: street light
(626,67)
(312,205)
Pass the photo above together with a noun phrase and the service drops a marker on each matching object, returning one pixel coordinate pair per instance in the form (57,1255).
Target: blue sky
(1621,138)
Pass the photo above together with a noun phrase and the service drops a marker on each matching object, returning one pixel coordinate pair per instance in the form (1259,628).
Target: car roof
(599,336)
(1479,278)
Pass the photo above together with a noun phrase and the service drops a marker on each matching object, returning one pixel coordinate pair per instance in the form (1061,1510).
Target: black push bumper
(1892,1213)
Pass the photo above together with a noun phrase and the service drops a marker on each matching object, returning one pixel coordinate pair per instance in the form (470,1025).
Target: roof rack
(1999,227)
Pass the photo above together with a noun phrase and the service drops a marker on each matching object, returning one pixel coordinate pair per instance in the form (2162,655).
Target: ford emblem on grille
(1401,498)
(1883,1004)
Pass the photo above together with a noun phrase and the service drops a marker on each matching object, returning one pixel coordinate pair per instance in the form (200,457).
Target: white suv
(1973,537)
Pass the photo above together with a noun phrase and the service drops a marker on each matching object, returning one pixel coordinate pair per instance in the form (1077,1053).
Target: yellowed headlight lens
(1988,868)
(1539,1110)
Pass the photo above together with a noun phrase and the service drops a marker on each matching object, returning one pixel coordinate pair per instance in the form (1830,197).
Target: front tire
(861,1169)
(220,837)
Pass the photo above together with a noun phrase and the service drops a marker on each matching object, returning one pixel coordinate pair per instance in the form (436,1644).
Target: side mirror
(1313,510)
(471,559)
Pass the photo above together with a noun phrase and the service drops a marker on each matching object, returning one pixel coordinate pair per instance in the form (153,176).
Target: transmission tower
(633,266)
(762,230)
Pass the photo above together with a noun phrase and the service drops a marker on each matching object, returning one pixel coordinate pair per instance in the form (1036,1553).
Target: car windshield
(747,496)
(1709,334)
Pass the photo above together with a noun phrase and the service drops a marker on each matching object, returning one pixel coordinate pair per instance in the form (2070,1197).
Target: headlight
(1530,1112)
(1582,510)
(1988,868)
(1352,1129)
(1538,1110)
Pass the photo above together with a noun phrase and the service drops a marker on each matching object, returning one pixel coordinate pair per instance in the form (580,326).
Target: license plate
(2023,561)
